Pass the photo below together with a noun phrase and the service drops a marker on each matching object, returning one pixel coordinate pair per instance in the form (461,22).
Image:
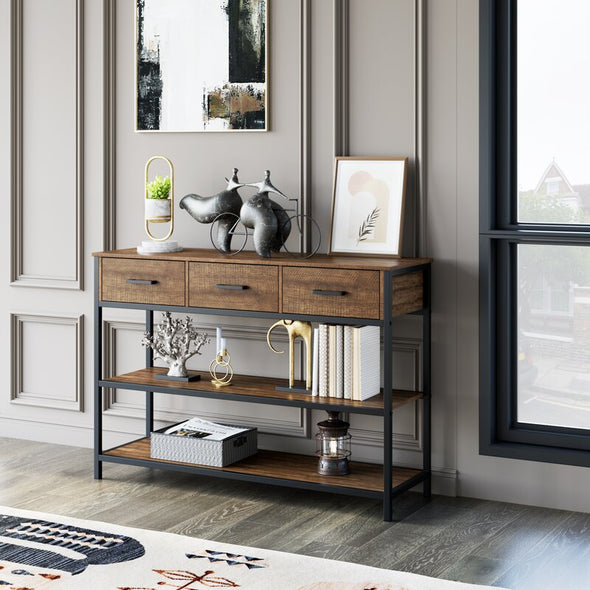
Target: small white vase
(157,210)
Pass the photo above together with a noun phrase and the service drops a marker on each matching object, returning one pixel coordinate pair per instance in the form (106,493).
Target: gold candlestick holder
(221,363)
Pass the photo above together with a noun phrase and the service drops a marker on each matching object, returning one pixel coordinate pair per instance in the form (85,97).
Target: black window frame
(499,236)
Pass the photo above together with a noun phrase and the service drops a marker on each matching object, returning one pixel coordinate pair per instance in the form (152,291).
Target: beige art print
(367,213)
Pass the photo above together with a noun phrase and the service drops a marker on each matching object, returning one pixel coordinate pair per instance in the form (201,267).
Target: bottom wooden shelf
(268,465)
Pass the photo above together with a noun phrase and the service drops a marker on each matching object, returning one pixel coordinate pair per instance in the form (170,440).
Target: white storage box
(222,450)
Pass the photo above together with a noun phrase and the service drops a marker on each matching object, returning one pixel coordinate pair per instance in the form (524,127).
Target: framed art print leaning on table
(368,206)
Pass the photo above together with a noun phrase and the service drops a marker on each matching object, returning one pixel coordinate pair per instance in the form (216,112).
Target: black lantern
(333,446)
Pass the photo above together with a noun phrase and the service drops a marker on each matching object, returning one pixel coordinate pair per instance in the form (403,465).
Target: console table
(344,290)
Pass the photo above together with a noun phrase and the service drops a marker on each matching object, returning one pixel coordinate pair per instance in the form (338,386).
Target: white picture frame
(368,206)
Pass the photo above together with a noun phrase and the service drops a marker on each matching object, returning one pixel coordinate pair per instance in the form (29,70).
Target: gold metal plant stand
(147,221)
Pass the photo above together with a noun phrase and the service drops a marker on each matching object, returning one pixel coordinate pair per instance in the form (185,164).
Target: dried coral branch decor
(175,341)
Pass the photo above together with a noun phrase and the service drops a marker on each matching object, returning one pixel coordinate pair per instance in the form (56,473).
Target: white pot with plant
(159,208)
(157,203)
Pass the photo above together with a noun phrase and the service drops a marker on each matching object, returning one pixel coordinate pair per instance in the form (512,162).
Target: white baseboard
(75,436)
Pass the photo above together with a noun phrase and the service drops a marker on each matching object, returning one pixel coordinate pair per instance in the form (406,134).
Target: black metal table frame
(389,490)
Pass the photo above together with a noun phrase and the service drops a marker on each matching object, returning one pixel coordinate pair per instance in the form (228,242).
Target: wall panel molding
(109,77)
(341,77)
(411,441)
(420,89)
(75,400)
(305,53)
(341,126)
(110,121)
(114,406)
(18,275)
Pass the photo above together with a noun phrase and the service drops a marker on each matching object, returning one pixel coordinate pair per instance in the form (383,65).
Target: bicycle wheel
(228,234)
(298,225)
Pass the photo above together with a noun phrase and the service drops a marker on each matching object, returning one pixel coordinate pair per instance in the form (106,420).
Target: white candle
(218,340)
(334,448)
(223,345)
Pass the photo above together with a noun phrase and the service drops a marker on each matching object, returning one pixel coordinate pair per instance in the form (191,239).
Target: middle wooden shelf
(254,390)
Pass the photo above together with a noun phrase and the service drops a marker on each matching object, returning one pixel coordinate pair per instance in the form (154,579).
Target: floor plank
(475,541)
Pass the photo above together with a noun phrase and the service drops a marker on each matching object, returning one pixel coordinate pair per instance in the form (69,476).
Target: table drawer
(332,292)
(234,286)
(159,282)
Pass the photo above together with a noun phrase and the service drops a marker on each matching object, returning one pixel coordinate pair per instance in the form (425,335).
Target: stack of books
(346,361)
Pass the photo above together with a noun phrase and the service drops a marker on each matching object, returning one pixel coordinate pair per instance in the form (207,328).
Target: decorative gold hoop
(171,199)
(221,360)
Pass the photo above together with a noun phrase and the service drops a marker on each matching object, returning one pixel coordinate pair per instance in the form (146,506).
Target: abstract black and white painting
(201,65)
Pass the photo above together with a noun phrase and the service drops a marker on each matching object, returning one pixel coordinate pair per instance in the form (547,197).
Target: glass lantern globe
(333,446)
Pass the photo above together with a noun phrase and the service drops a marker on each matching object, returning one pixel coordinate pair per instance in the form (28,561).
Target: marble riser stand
(149,247)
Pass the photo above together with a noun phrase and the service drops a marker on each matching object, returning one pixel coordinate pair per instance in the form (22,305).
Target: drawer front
(142,281)
(332,292)
(234,286)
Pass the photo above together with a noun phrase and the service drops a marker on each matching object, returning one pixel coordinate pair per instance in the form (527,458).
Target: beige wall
(46,313)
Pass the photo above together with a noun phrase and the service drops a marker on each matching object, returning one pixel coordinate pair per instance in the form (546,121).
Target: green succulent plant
(159,188)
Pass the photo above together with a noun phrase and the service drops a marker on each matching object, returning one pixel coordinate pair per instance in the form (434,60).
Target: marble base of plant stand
(149,247)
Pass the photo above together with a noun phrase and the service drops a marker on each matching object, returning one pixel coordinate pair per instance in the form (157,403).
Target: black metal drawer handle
(328,293)
(232,287)
(142,282)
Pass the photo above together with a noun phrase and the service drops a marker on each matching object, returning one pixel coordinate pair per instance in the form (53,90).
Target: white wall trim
(420,106)
(412,441)
(17,394)
(305,189)
(341,77)
(18,276)
(341,90)
(109,121)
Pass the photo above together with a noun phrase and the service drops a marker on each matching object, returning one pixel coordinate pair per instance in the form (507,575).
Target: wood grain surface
(281,259)
(261,284)
(365,476)
(167,290)
(361,290)
(247,385)
(408,293)
(514,546)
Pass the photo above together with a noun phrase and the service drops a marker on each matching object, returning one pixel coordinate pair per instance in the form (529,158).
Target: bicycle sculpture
(270,222)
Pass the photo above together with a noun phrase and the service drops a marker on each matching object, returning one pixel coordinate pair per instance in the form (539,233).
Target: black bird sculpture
(207,209)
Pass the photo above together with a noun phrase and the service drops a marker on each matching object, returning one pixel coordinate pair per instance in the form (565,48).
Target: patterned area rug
(48,552)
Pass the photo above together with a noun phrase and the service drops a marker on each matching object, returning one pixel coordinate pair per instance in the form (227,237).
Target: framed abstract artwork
(368,206)
(201,65)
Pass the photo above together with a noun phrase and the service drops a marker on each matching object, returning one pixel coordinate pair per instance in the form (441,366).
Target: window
(535,230)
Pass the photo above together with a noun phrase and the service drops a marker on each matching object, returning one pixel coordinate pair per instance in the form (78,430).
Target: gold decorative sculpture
(222,361)
(295,329)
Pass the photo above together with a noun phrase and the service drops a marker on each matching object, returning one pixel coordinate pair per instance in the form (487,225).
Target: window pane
(553,111)
(554,335)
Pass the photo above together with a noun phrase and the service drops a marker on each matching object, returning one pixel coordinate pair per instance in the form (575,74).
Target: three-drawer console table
(343,290)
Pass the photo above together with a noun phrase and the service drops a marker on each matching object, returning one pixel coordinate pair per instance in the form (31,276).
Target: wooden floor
(477,541)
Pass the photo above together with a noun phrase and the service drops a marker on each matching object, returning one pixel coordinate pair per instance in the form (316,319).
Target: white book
(315,362)
(347,387)
(366,362)
(333,372)
(323,366)
(339,389)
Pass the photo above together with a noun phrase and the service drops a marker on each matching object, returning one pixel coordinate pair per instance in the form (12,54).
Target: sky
(553,89)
